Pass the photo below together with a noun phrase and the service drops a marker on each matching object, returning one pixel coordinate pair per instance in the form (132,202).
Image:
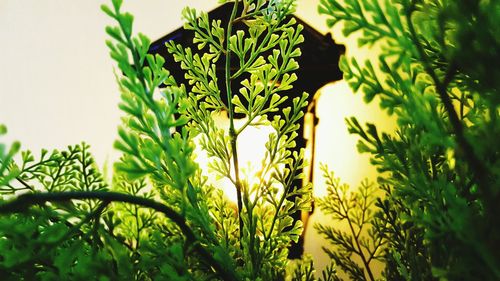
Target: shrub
(160,218)
(440,169)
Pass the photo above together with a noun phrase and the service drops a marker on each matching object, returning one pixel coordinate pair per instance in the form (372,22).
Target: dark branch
(25,184)
(24,201)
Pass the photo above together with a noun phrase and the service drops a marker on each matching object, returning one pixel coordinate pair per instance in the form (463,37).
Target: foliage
(265,226)
(357,210)
(6,155)
(44,242)
(160,218)
(441,168)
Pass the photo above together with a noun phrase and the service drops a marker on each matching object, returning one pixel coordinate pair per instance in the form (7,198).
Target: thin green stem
(84,166)
(25,184)
(232,132)
(148,98)
(247,16)
(284,196)
(269,90)
(355,236)
(76,228)
(209,38)
(255,53)
(137,227)
(24,169)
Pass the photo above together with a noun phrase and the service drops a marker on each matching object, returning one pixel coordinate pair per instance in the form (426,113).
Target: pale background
(57,85)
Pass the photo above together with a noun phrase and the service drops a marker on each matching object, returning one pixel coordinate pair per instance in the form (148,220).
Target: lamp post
(318,66)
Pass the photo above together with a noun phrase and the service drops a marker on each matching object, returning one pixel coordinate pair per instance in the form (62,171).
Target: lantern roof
(318,62)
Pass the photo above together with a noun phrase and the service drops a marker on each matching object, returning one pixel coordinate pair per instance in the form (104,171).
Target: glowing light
(251,151)
(335,147)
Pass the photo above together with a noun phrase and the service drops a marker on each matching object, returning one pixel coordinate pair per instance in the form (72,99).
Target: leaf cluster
(362,239)
(6,155)
(440,167)
(60,239)
(265,58)
(161,218)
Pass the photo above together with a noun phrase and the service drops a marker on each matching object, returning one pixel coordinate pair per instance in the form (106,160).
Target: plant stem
(355,236)
(287,187)
(232,132)
(25,184)
(26,200)
(76,228)
(479,170)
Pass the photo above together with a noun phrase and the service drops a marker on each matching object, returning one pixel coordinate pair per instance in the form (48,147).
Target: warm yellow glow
(251,151)
(335,147)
